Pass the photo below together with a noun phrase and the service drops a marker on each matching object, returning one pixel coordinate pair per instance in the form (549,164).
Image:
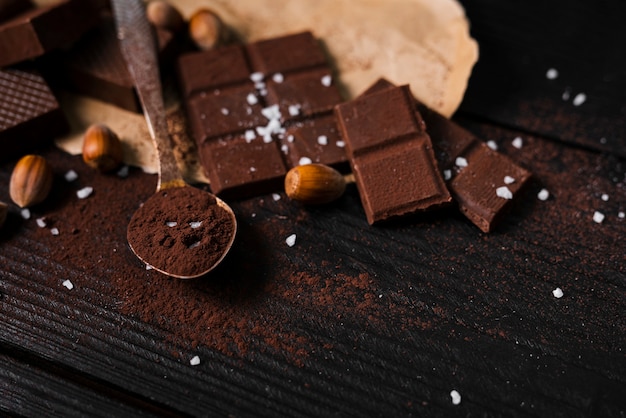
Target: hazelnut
(102,148)
(31,181)
(314,184)
(4,210)
(164,16)
(206,29)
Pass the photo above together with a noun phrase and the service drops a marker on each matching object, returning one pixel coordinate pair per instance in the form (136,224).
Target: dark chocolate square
(317,139)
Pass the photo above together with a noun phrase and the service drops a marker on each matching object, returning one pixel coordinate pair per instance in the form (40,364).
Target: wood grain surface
(352,320)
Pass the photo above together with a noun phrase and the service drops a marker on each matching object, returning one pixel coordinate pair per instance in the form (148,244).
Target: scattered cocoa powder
(182,231)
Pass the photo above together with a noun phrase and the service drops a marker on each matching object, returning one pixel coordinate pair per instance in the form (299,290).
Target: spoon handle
(138,47)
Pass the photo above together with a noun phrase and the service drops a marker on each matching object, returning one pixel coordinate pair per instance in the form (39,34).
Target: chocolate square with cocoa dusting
(272,98)
(485,181)
(391,155)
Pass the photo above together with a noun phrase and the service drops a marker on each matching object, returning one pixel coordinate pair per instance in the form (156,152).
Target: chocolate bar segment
(29,113)
(391,155)
(39,30)
(478,184)
(257,110)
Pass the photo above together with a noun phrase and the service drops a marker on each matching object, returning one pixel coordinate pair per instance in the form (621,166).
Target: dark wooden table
(356,320)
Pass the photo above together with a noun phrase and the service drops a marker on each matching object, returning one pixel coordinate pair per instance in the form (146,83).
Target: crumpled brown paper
(423,43)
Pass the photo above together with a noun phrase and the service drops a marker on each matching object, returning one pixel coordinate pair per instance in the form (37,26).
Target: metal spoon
(138,47)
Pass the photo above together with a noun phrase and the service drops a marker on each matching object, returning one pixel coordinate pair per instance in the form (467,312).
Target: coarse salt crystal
(194,245)
(68,284)
(447,174)
(305,161)
(271,112)
(54,231)
(603,140)
(25,213)
(84,192)
(149,267)
(492,144)
(621,215)
(123,171)
(171,224)
(294,110)
(566,94)
(41,223)
(558,293)
(284,148)
(224,111)
(504,192)
(252,99)
(276,197)
(291,240)
(340,144)
(543,194)
(598,217)
(278,78)
(322,140)
(195,225)
(552,74)
(327,80)
(460,162)
(256,77)
(195,360)
(605,197)
(290,138)
(71,175)
(509,180)
(249,135)
(579,99)
(518,142)
(252,169)
(456,397)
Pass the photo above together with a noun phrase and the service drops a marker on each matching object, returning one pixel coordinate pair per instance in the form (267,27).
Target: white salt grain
(509,180)
(447,174)
(492,144)
(54,231)
(171,224)
(194,361)
(149,267)
(70,176)
(579,99)
(322,140)
(291,240)
(276,197)
(284,148)
(256,77)
(566,95)
(605,197)
(252,169)
(598,217)
(621,215)
(294,110)
(250,135)
(460,162)
(84,192)
(195,225)
(41,223)
(504,192)
(456,397)
(327,80)
(278,78)
(305,161)
(271,112)
(290,138)
(558,293)
(68,284)
(552,74)
(518,142)
(194,245)
(25,213)
(224,111)
(123,171)
(252,99)
(340,144)
(543,194)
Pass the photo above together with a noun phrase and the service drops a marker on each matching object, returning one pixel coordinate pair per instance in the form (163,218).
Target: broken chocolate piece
(255,111)
(391,155)
(29,113)
(38,30)
(479,187)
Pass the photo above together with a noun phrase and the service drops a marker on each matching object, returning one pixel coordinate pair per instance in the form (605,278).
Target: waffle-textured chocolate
(481,180)
(39,30)
(29,112)
(391,155)
(256,110)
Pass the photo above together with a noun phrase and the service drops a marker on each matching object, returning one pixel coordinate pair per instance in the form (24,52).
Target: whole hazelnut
(314,184)
(4,210)
(102,148)
(206,29)
(165,16)
(31,181)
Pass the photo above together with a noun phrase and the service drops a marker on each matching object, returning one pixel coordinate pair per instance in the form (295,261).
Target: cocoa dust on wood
(182,231)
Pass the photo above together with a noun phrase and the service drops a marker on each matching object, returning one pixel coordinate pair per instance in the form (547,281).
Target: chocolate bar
(257,110)
(482,181)
(38,30)
(29,113)
(95,67)
(391,155)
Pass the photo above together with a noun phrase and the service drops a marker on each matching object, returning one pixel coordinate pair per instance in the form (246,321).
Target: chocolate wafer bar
(391,155)
(481,180)
(257,110)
